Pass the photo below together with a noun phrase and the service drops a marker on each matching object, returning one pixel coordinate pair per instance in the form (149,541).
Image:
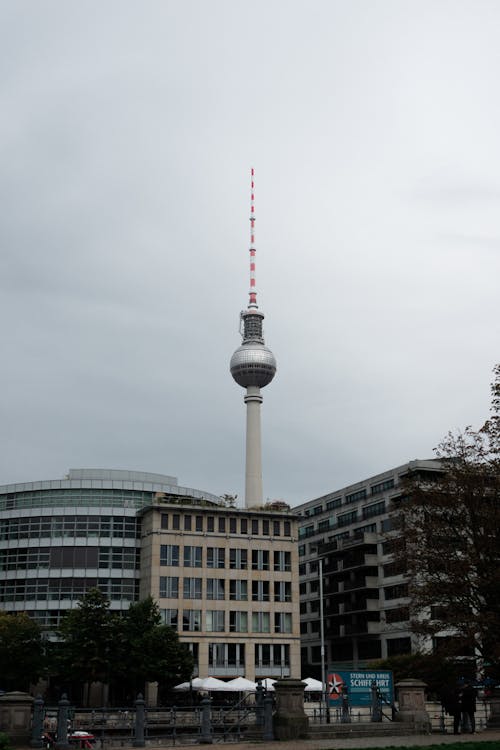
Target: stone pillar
(37,723)
(411,697)
(62,742)
(15,716)
(206,724)
(140,721)
(290,720)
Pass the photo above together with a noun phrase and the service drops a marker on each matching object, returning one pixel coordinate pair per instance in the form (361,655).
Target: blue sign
(357,687)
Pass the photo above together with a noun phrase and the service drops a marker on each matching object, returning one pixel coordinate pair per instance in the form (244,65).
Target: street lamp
(322,637)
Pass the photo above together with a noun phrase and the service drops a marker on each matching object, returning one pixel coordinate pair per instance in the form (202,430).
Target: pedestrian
(469,707)
(452,704)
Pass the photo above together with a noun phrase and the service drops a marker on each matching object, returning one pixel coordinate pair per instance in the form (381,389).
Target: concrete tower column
(253,469)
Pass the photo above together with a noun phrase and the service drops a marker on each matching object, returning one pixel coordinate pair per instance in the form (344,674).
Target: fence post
(259,704)
(268,733)
(37,723)
(62,723)
(206,727)
(140,721)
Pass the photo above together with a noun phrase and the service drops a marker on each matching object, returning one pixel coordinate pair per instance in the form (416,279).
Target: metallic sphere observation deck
(253,364)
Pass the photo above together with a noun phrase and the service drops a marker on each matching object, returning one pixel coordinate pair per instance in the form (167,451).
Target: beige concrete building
(227,580)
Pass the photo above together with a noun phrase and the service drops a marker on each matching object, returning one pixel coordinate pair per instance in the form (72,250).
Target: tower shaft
(253,465)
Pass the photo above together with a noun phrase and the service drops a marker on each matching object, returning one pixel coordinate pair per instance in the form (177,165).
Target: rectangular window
(282,591)
(169,554)
(216,557)
(238,591)
(226,655)
(260,591)
(238,559)
(169,587)
(399,591)
(244,526)
(210,523)
(187,523)
(261,622)
(192,588)
(336,503)
(287,528)
(282,560)
(317,510)
(232,525)
(374,510)
(192,557)
(199,523)
(191,620)
(222,525)
(260,559)
(388,484)
(215,588)
(282,622)
(176,521)
(164,521)
(238,622)
(346,518)
(265,527)
(255,526)
(214,621)
(169,617)
(355,496)
(276,528)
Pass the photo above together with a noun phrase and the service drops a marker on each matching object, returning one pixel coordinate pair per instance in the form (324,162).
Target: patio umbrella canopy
(241,685)
(193,685)
(207,683)
(268,684)
(312,685)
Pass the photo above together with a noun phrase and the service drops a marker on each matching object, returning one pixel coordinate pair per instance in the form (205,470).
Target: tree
(449,526)
(436,671)
(153,652)
(90,640)
(21,651)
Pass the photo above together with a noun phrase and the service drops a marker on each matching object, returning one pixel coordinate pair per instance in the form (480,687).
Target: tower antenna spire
(253,289)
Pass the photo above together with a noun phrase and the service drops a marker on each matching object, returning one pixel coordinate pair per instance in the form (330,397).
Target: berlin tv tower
(253,366)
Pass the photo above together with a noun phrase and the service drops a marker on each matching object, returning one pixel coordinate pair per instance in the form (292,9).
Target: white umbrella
(241,685)
(193,685)
(312,685)
(212,683)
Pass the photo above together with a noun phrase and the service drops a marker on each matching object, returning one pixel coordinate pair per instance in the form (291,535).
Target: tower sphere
(253,364)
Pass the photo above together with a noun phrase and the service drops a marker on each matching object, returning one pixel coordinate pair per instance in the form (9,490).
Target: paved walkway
(423,740)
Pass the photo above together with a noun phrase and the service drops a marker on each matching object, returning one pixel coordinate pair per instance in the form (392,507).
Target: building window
(238,622)
(238,559)
(399,614)
(210,523)
(169,587)
(214,621)
(261,622)
(265,527)
(255,526)
(187,523)
(355,496)
(282,622)
(192,557)
(260,559)
(222,525)
(260,591)
(336,503)
(282,591)
(267,655)
(317,510)
(191,620)
(282,560)
(169,617)
(346,518)
(226,655)
(388,484)
(374,510)
(276,528)
(169,554)
(399,591)
(199,523)
(232,525)
(396,646)
(164,521)
(287,528)
(216,557)
(302,550)
(192,588)
(244,526)
(238,591)
(215,588)
(176,521)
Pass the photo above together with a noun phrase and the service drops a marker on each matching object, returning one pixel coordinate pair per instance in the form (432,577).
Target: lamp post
(322,638)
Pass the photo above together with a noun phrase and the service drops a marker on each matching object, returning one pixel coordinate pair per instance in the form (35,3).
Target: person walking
(469,707)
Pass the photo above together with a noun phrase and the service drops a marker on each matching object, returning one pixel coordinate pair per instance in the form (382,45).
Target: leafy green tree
(438,672)
(90,636)
(21,651)
(153,652)
(449,526)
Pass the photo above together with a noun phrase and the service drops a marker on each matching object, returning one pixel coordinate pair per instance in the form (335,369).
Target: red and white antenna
(253,291)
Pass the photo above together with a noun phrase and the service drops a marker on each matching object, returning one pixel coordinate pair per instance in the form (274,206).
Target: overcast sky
(127,134)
